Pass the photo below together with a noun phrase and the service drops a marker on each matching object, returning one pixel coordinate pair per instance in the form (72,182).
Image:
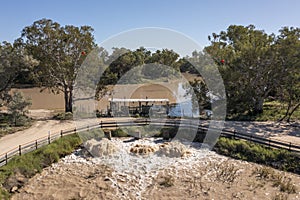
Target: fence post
(20,150)
(6,160)
(88,128)
(49,137)
(269,143)
(75,130)
(36,144)
(290,146)
(61,133)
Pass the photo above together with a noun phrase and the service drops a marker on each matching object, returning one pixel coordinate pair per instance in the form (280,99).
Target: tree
(13,61)
(199,94)
(60,51)
(17,106)
(246,62)
(288,61)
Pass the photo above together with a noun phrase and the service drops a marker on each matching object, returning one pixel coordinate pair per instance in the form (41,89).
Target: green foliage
(96,134)
(4,194)
(244,150)
(33,162)
(257,65)
(17,108)
(273,111)
(14,60)
(60,51)
(118,133)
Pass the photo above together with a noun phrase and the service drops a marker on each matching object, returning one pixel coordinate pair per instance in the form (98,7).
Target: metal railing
(33,145)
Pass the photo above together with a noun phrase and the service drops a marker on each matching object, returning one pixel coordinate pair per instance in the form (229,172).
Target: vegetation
(63,116)
(17,108)
(256,66)
(29,164)
(60,52)
(278,180)
(248,151)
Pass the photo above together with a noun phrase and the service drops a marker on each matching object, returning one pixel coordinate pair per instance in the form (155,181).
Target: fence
(33,145)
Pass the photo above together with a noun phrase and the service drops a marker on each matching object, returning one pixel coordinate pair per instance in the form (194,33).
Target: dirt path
(38,130)
(42,127)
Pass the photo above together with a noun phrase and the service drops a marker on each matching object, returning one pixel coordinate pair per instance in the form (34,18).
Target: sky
(194,18)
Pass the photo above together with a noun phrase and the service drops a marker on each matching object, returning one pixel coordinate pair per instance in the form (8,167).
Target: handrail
(35,144)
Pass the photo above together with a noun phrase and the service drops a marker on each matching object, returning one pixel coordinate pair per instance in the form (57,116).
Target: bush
(118,133)
(63,116)
(248,151)
(30,163)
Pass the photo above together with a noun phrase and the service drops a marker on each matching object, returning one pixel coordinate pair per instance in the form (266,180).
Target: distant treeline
(255,66)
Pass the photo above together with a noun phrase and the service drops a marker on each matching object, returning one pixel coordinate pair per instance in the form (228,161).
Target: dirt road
(44,126)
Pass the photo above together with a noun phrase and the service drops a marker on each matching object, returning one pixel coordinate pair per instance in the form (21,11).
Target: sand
(124,175)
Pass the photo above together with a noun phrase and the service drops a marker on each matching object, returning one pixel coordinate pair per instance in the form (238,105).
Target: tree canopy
(60,51)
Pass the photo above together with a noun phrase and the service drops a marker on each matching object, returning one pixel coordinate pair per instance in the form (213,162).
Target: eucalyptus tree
(13,61)
(288,64)
(60,51)
(246,62)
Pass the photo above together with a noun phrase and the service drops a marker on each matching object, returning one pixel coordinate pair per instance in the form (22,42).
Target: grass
(278,180)
(248,151)
(7,127)
(31,163)
(272,111)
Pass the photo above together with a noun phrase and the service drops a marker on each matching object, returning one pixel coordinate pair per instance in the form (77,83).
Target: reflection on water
(181,104)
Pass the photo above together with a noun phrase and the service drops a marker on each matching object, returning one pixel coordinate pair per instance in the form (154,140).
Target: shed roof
(137,100)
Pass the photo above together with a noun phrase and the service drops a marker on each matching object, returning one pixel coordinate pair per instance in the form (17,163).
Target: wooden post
(36,144)
(290,146)
(6,160)
(75,130)
(166,135)
(88,128)
(49,137)
(61,133)
(137,135)
(20,150)
(108,135)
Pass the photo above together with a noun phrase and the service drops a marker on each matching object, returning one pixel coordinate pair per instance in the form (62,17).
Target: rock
(173,150)
(14,189)
(101,148)
(142,149)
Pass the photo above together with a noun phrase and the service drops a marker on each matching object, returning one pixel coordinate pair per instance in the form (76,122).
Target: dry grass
(284,183)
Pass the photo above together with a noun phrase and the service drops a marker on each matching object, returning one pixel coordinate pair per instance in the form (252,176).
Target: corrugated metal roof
(137,100)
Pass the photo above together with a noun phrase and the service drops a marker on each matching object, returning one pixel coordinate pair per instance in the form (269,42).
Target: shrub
(245,150)
(118,133)
(63,116)
(30,163)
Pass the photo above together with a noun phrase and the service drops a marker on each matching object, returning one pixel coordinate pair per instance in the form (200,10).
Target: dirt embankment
(126,174)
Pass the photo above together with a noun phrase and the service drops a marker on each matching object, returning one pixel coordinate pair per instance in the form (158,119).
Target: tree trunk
(292,111)
(258,107)
(68,99)
(287,111)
